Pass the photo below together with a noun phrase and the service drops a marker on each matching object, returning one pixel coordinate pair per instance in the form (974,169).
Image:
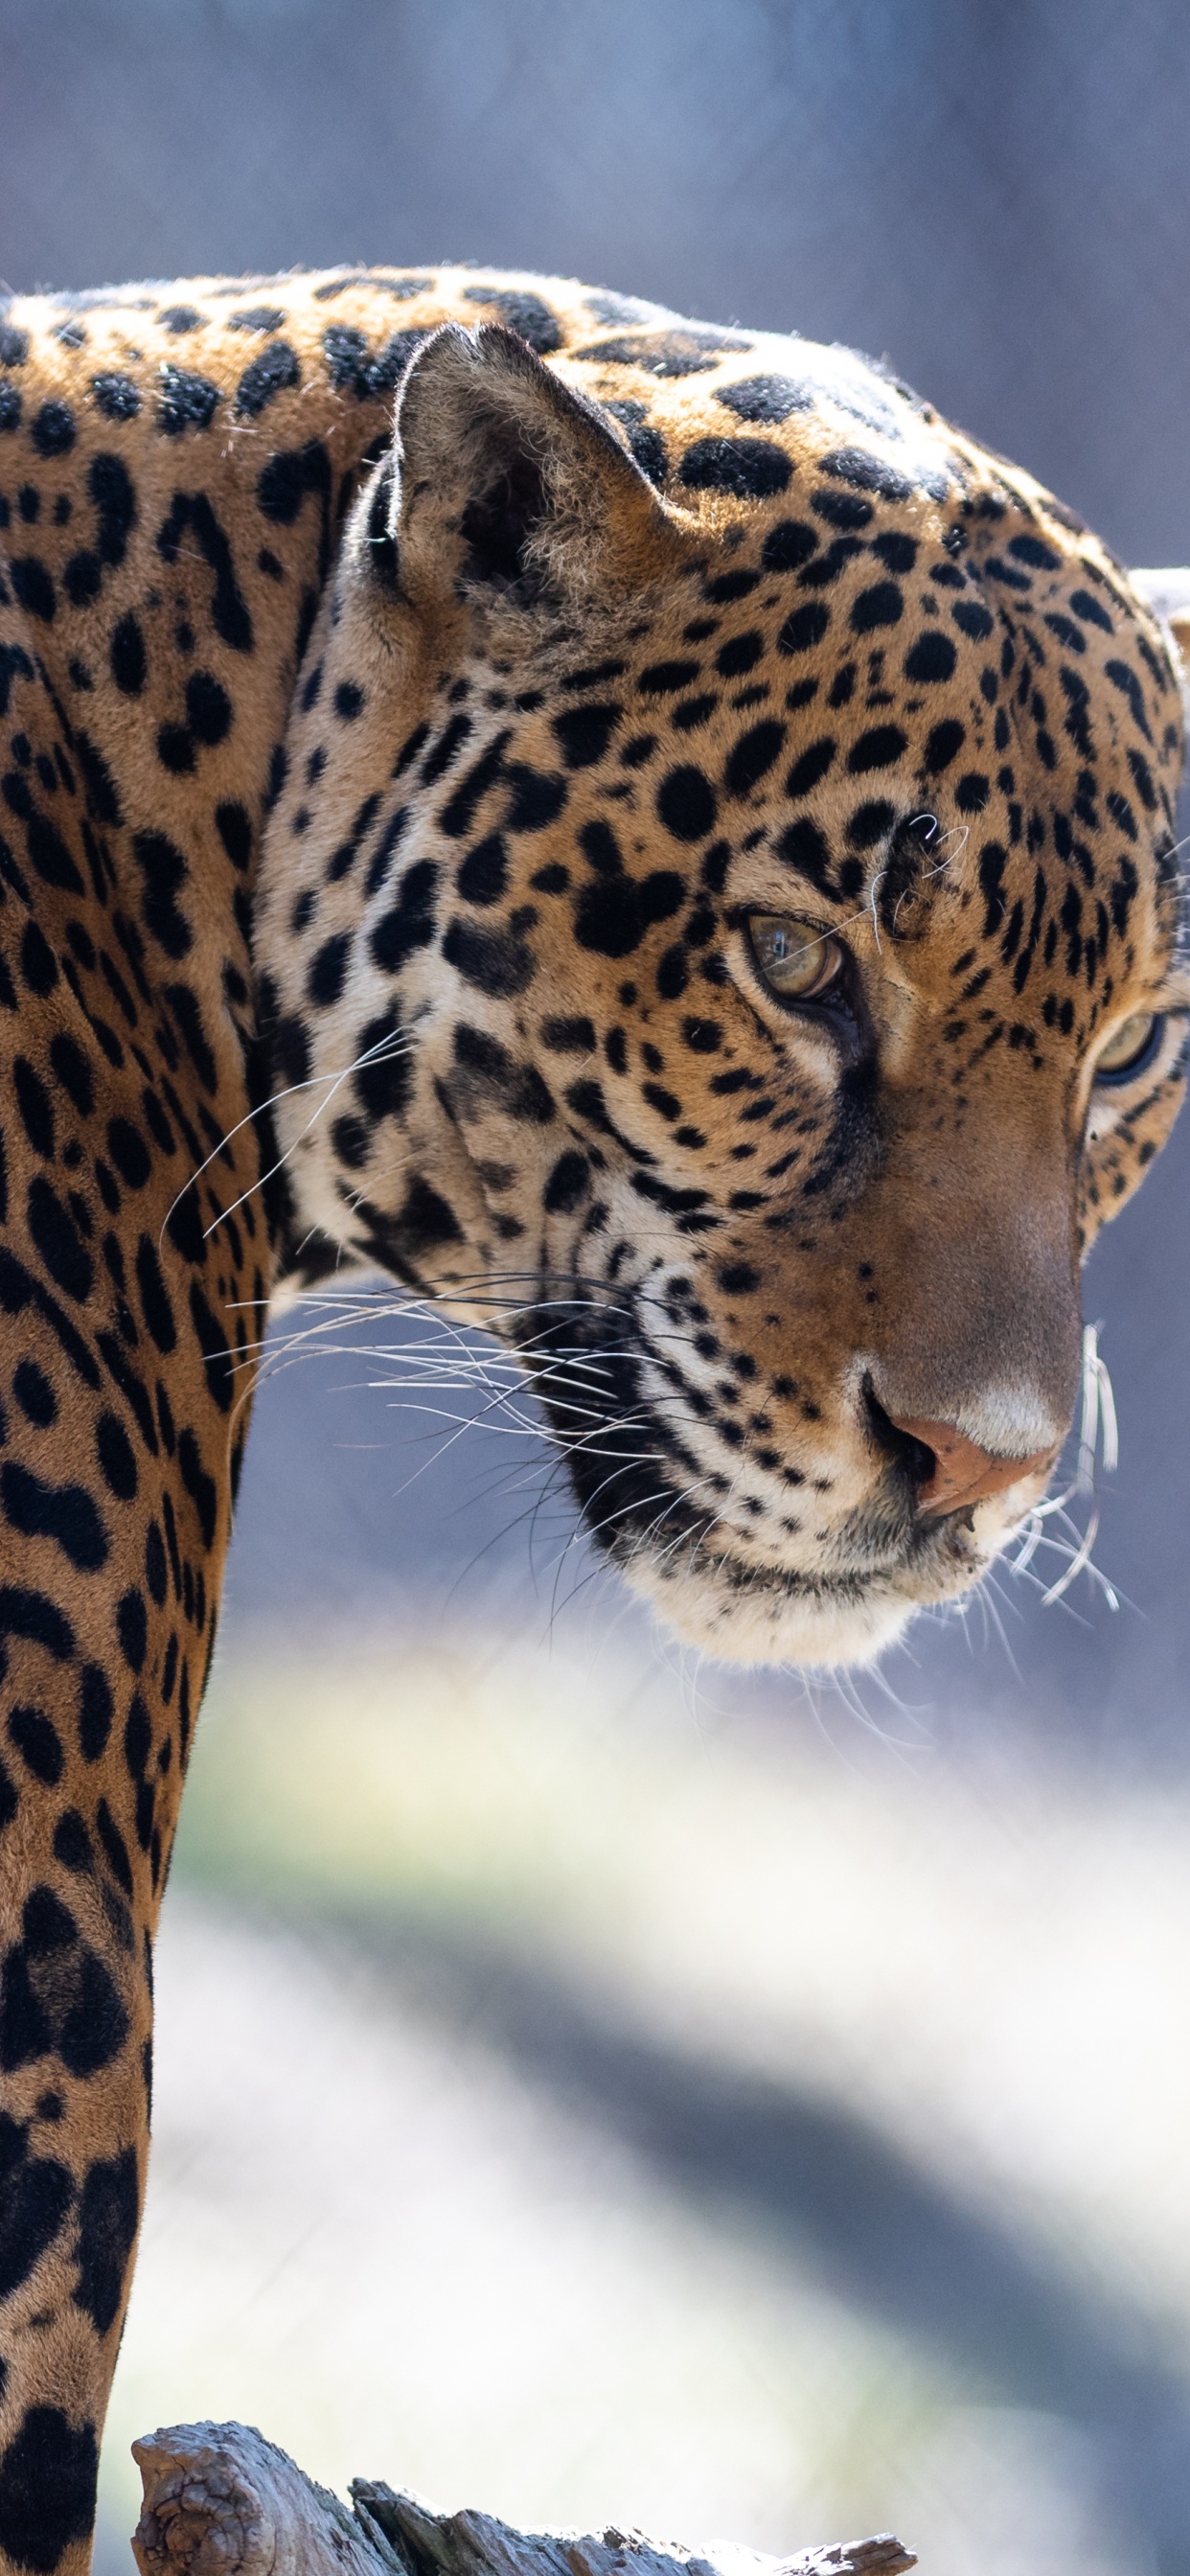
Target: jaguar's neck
(168,544)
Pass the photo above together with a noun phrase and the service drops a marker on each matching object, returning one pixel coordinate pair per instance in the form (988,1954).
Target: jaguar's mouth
(742,1555)
(669,1522)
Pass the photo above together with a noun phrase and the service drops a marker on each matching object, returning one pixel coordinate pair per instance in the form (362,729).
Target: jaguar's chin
(748,1614)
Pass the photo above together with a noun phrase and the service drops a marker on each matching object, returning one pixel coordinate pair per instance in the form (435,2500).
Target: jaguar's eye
(1131,1049)
(797,962)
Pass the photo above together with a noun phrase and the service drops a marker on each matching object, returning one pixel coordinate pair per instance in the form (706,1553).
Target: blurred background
(593,2083)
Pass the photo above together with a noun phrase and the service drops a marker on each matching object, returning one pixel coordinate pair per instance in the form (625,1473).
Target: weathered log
(221,2501)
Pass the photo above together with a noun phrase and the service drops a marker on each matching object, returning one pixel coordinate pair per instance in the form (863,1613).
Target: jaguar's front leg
(114,1497)
(133,1271)
(75,2054)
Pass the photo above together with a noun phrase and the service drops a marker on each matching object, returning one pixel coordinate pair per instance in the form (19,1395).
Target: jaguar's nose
(952,1472)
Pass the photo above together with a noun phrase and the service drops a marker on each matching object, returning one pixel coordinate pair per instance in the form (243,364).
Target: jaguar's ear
(510,489)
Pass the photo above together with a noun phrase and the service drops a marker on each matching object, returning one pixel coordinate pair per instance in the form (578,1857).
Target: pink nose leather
(963,1472)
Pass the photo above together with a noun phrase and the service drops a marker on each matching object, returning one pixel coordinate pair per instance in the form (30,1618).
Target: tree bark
(221,2501)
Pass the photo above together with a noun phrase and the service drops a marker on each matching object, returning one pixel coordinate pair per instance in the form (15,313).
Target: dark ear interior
(511,484)
(498,521)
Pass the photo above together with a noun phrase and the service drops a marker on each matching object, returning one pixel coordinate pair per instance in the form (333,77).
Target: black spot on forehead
(354,369)
(483,874)
(930,660)
(881,605)
(686,803)
(257,317)
(752,757)
(972,618)
(750,469)
(646,443)
(52,429)
(735,584)
(789,545)
(1031,550)
(584,733)
(877,749)
(116,396)
(686,351)
(536,797)
(665,679)
(943,745)
(845,510)
(184,401)
(615,912)
(803,847)
(765,398)
(804,627)
(275,371)
(810,767)
(523,312)
(869,824)
(494,961)
(896,549)
(867,473)
(569,1036)
(740,653)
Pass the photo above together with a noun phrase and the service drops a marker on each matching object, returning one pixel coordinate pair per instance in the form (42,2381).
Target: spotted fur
(509,724)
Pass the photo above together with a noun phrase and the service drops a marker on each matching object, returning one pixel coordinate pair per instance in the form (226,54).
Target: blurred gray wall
(993,193)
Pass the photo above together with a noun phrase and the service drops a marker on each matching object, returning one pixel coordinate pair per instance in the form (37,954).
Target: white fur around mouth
(754,1615)
(763,1622)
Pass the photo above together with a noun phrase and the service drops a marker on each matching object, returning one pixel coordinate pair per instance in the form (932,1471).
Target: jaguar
(641,831)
